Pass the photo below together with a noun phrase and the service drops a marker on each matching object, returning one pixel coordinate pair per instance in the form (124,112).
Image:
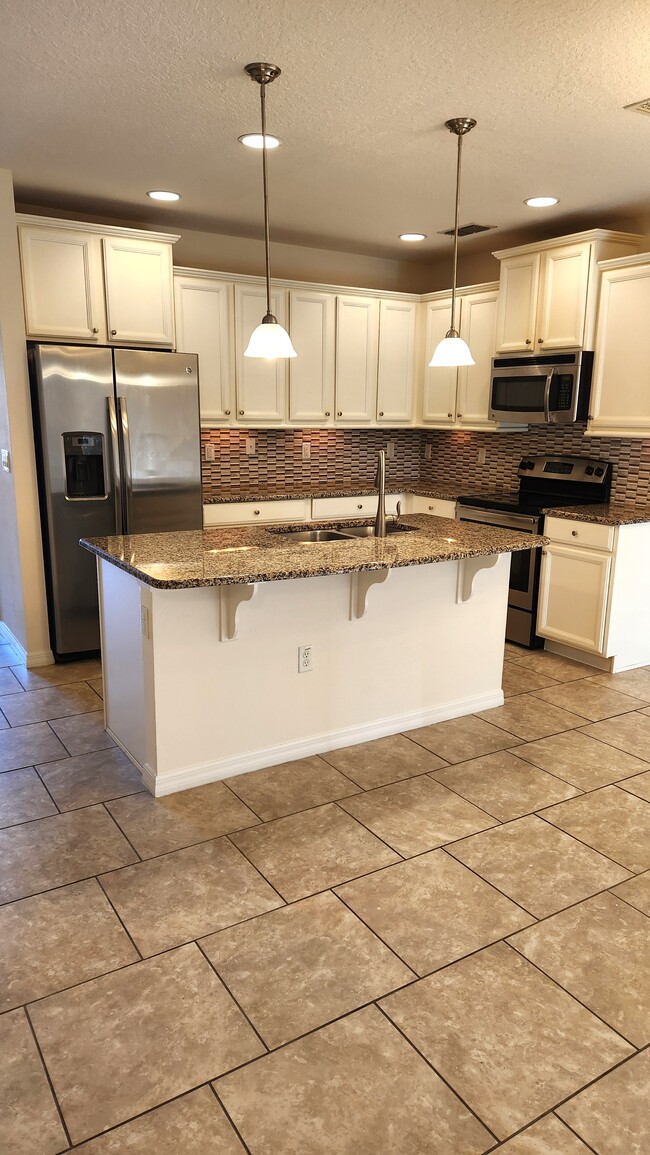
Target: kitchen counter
(441,490)
(609,513)
(240,555)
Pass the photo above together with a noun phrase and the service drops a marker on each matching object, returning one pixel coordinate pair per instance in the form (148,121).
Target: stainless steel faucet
(380,482)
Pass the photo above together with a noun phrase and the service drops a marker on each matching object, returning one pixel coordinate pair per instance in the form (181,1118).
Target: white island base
(203,683)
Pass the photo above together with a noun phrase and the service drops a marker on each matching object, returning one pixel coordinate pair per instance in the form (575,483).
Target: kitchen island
(204,636)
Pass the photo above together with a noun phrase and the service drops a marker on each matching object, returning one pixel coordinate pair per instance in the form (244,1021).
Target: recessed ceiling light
(159,195)
(541,202)
(255,140)
(413,236)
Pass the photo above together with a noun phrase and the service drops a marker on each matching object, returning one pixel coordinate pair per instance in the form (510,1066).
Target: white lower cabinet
(574,595)
(434,506)
(252,512)
(331,508)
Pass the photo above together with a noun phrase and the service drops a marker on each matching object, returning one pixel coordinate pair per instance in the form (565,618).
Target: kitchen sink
(305,535)
(369,530)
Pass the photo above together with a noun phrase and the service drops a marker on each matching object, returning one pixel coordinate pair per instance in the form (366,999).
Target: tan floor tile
(83,733)
(28,745)
(552,665)
(170,900)
(613,1116)
(55,702)
(504,786)
(517,680)
(90,778)
(8,655)
(633,682)
(195,1124)
(612,821)
(629,732)
(29,1120)
(9,683)
(313,851)
(55,851)
(590,701)
(580,760)
(432,910)
(290,787)
(639,785)
(372,764)
(58,674)
(636,891)
(158,825)
(120,1044)
(354,1086)
(416,815)
(529,718)
(598,951)
(548,1137)
(504,1036)
(23,797)
(537,866)
(297,968)
(58,939)
(462,738)
(97,685)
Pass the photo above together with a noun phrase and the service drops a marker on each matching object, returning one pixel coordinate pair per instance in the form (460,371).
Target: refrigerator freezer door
(158,411)
(71,388)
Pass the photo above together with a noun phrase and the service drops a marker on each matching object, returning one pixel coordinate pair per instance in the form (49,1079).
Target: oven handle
(521,521)
(547,396)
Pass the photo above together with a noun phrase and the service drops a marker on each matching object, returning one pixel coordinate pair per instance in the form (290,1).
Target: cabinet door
(518,292)
(357,338)
(261,385)
(478,328)
(396,361)
(62,284)
(435,506)
(204,317)
(440,385)
(311,373)
(573,600)
(139,291)
(620,400)
(564,280)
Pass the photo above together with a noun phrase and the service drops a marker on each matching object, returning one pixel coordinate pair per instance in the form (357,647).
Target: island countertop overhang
(242,555)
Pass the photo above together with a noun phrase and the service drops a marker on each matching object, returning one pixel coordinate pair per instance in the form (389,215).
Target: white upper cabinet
(478,320)
(312,321)
(261,384)
(395,375)
(94,283)
(620,395)
(548,291)
(357,339)
(204,324)
(440,385)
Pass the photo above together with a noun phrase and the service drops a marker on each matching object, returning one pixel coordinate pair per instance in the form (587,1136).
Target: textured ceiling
(104,101)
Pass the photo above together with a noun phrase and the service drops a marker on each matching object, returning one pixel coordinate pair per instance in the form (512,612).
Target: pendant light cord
(265,182)
(453,332)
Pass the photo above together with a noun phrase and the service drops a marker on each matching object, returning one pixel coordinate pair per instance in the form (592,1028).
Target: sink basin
(369,530)
(310,535)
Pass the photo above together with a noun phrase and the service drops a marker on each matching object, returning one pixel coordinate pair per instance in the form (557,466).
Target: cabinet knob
(450,415)
(360,507)
(339,413)
(381,413)
(113,332)
(590,417)
(227,411)
(241,412)
(430,507)
(458,416)
(256,512)
(540,340)
(528,340)
(95,329)
(327,412)
(544,552)
(574,533)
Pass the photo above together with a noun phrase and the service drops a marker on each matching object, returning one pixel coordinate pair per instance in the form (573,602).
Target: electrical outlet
(6,461)
(209,451)
(250,446)
(481,456)
(390,449)
(306,451)
(305,659)
(144,622)
(428,452)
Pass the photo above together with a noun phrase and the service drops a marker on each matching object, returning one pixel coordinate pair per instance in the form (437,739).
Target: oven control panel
(574,469)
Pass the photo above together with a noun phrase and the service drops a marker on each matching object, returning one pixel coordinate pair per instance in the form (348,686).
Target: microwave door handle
(117,471)
(547,396)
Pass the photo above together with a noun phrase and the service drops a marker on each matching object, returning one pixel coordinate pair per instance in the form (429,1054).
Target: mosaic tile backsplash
(343,458)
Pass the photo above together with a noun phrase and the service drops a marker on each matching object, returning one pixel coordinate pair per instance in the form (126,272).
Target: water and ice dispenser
(84,465)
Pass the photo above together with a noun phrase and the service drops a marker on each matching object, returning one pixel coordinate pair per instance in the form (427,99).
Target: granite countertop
(609,513)
(238,555)
(445,492)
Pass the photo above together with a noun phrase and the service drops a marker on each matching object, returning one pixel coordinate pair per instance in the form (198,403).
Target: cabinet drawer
(324,508)
(434,506)
(249,512)
(584,533)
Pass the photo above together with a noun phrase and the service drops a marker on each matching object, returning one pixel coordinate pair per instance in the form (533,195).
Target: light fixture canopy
(161,195)
(255,140)
(413,236)
(269,340)
(452,350)
(541,202)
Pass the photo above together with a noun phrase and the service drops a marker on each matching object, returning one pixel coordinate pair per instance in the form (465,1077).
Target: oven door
(524,565)
(534,394)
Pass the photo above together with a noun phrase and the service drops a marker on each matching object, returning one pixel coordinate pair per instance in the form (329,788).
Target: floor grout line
(48,1076)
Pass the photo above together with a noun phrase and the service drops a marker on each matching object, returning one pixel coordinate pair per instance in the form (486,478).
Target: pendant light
(452,350)
(268,340)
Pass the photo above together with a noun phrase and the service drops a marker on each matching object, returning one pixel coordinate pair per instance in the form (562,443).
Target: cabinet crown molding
(284,283)
(625,262)
(461,291)
(27,220)
(571,239)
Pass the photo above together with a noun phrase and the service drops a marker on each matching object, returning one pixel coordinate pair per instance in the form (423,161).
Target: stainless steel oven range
(544,482)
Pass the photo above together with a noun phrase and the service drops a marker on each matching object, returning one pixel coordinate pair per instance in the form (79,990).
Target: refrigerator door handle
(117,470)
(126,445)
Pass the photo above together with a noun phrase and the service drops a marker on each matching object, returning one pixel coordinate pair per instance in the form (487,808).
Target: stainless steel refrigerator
(118,452)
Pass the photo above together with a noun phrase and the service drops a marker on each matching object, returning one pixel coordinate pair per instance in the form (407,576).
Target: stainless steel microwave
(552,389)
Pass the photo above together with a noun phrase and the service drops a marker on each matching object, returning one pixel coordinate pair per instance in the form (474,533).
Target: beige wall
(22,587)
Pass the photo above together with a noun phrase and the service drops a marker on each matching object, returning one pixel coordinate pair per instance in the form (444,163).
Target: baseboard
(188,776)
(29,658)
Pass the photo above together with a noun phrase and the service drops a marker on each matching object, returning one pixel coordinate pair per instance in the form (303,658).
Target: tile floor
(432,944)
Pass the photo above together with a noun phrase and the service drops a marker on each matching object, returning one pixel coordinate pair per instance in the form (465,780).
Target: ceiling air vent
(467,230)
(640,106)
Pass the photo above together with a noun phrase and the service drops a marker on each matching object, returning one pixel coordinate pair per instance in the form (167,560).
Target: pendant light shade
(452,350)
(269,340)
